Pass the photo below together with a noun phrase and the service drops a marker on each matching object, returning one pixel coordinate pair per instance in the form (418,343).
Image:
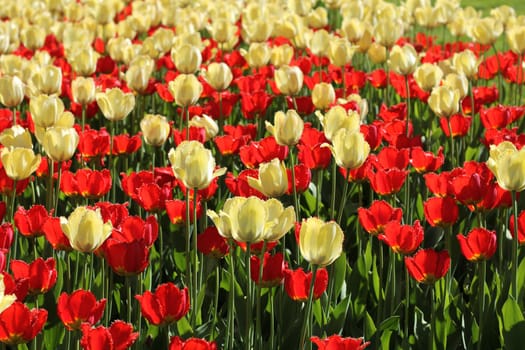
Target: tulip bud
(466,63)
(337,118)
(485,31)
(507,163)
(403,59)
(258,30)
(60,143)
(48,80)
(155,129)
(323,95)
(289,80)
(185,89)
(194,165)
(516,39)
(187,58)
(353,29)
(83,60)
(218,75)
(206,122)
(137,77)
(428,76)
(85,229)
(19,163)
(115,104)
(320,243)
(116,48)
(300,7)
(33,37)
(251,220)
(340,52)
(377,53)
(222,30)
(281,55)
(11,91)
(16,136)
(457,82)
(83,90)
(46,110)
(319,43)
(388,32)
(273,179)
(258,55)
(425,17)
(317,18)
(444,101)
(349,148)
(288,128)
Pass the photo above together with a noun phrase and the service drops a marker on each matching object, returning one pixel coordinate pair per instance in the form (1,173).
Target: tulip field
(337,174)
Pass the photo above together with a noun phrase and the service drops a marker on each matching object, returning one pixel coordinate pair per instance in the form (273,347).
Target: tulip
(428,76)
(349,148)
(46,110)
(166,305)
(388,32)
(48,80)
(225,220)
(137,77)
(375,218)
(206,122)
(466,63)
(218,75)
(155,129)
(338,342)
(33,37)
(337,118)
(258,30)
(340,52)
(194,165)
(377,53)
(30,222)
(297,283)
(283,218)
(258,55)
(119,335)
(402,239)
(444,101)
(403,59)
(83,90)
(323,95)
(185,89)
(320,243)
(60,143)
(485,31)
(28,323)
(441,211)
(11,91)
(212,244)
(353,29)
(319,43)
(83,60)
(176,343)
(79,307)
(516,39)
(16,136)
(287,128)
(457,82)
(272,270)
(507,163)
(85,229)
(428,265)
(281,55)
(41,274)
(5,299)
(187,58)
(273,179)
(115,104)
(478,245)
(222,30)
(289,80)
(19,163)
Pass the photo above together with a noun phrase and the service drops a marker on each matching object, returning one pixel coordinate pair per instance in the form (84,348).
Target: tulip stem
(319,178)
(515,243)
(216,299)
(307,320)
(83,117)
(247,338)
(343,199)
(271,294)
(407,310)
(482,269)
(57,193)
(294,187)
(187,255)
(407,120)
(332,198)
(294,101)
(187,116)
(127,283)
(500,86)
(432,342)
(258,327)
(11,217)
(195,261)
(452,151)
(221,119)
(49,194)
(231,300)
(520,78)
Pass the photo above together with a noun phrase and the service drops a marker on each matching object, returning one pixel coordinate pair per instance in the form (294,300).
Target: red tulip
(119,336)
(426,161)
(402,239)
(124,144)
(497,117)
(459,125)
(494,197)
(79,307)
(41,273)
(311,154)
(29,222)
(114,212)
(196,134)
(176,210)
(263,151)
(478,245)
(55,236)
(134,228)
(166,305)
(152,198)
(395,112)
(468,188)
(377,216)
(428,265)
(377,78)
(303,176)
(387,182)
(93,143)
(391,157)
(126,258)
(6,183)
(297,283)
(6,235)
(20,325)
(87,183)
(373,135)
(211,243)
(177,343)
(336,342)
(239,186)
(438,184)
(441,211)
(521,227)
(228,145)
(19,287)
(255,103)
(272,272)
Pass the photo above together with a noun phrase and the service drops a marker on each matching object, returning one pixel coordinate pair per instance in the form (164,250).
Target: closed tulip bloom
(185,89)
(428,76)
(353,29)
(218,75)
(317,18)
(11,91)
(60,143)
(83,90)
(287,128)
(349,149)
(466,63)
(478,245)
(83,60)
(48,80)
(258,55)
(137,78)
(251,221)
(33,37)
(222,30)
(377,53)
(281,55)
(323,95)
(486,30)
(289,80)
(516,39)
(340,51)
(194,165)
(458,82)
(206,122)
(444,101)
(155,129)
(284,220)
(19,163)
(85,229)
(16,136)
(320,243)
(79,307)
(337,118)
(115,104)
(507,163)
(387,32)
(187,58)
(224,219)
(319,43)
(258,30)
(427,265)
(46,110)
(403,59)
(166,305)
(273,179)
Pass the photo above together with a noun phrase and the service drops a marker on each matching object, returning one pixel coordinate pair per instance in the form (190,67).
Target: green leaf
(338,316)
(339,274)
(513,325)
(54,336)
(369,325)
(184,328)
(385,340)
(390,324)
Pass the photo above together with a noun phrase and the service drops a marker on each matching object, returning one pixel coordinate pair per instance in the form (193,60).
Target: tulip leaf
(369,325)
(521,277)
(390,324)
(512,324)
(385,339)
(318,312)
(339,274)
(338,316)
(184,327)
(54,336)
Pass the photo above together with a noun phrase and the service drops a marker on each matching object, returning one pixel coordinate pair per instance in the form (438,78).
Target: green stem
(319,180)
(482,269)
(294,101)
(407,85)
(334,182)
(380,273)
(500,86)
(195,262)
(57,193)
(247,337)
(306,319)
(294,187)
(343,199)
(221,119)
(216,299)
(407,310)
(520,78)
(432,342)
(12,218)
(230,334)
(83,117)
(258,316)
(129,296)
(187,116)
(272,319)
(49,194)
(188,246)
(452,151)
(515,245)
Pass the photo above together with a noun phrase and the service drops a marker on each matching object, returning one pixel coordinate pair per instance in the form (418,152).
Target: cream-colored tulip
(222,30)
(46,110)
(19,162)
(60,143)
(137,78)
(289,80)
(194,164)
(83,90)
(187,58)
(466,63)
(116,48)
(224,219)
(458,82)
(48,80)
(273,179)
(206,122)
(155,129)
(320,243)
(83,60)
(258,30)
(115,104)
(340,52)
(11,91)
(319,43)
(516,39)
(33,37)
(338,118)
(287,128)
(403,59)
(317,18)
(5,299)
(323,95)
(85,229)
(444,101)
(353,29)
(185,89)
(281,55)
(507,163)
(377,53)
(388,32)
(426,17)
(486,30)
(349,148)
(258,55)
(16,136)
(218,75)
(300,7)
(251,221)
(283,218)
(428,76)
